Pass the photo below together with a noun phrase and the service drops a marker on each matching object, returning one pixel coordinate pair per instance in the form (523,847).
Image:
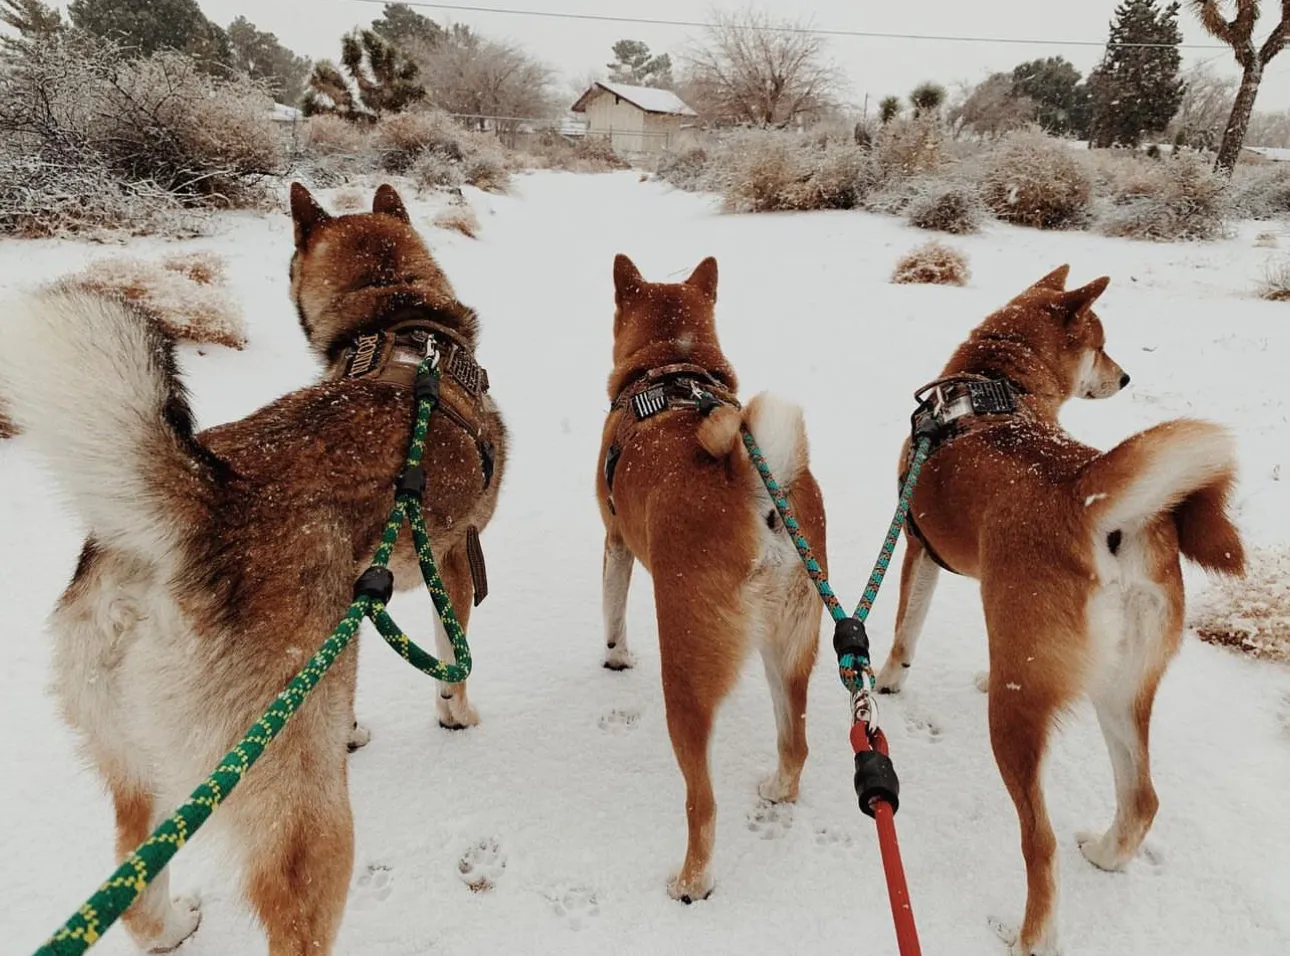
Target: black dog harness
(663,389)
(947,409)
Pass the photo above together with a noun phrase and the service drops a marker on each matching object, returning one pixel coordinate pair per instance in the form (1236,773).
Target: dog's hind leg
(455,709)
(157,923)
(702,639)
(789,651)
(617,580)
(359,736)
(918,577)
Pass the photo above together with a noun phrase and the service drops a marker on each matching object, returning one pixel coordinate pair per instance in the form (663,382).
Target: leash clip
(864,709)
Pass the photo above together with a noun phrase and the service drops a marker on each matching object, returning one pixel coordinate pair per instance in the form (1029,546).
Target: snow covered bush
(686,169)
(1250,614)
(772,171)
(1261,192)
(1276,283)
(328,135)
(460,219)
(7,428)
(185,294)
(908,148)
(1033,180)
(438,152)
(954,207)
(86,133)
(1166,200)
(933,264)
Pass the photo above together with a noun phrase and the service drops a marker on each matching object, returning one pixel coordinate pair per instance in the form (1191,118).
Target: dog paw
(482,865)
(574,904)
(1010,937)
(891,679)
(181,922)
(923,727)
(1099,849)
(456,713)
(618,658)
(359,737)
(619,721)
(982,681)
(688,890)
(778,788)
(373,886)
(771,820)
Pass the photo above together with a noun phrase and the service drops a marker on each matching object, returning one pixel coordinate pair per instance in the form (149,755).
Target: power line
(813,31)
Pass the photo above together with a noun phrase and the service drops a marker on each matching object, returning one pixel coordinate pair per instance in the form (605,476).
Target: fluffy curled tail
(778,427)
(94,384)
(1184,467)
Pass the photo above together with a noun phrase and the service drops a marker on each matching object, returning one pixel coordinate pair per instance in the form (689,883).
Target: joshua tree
(889,109)
(927,99)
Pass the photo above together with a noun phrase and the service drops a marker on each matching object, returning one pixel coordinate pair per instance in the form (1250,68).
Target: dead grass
(185,294)
(933,264)
(1266,240)
(349,200)
(1276,282)
(7,428)
(1252,614)
(1034,180)
(460,219)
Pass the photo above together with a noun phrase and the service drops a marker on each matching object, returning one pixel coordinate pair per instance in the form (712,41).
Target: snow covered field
(569,785)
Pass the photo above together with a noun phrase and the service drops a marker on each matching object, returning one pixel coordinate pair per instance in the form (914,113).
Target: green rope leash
(87,926)
(852,667)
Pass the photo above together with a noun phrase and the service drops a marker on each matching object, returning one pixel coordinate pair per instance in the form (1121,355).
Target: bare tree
(1206,105)
(750,68)
(468,75)
(993,108)
(1238,33)
(1270,129)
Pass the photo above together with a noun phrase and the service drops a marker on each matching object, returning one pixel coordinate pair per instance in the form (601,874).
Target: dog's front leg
(619,561)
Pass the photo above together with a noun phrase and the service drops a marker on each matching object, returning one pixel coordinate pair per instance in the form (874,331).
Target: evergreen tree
(926,99)
(146,28)
(634,65)
(31,20)
(1136,89)
(379,78)
(1061,100)
(262,57)
(402,26)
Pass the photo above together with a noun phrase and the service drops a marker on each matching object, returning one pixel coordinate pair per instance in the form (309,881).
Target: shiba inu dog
(1078,556)
(218,561)
(679,494)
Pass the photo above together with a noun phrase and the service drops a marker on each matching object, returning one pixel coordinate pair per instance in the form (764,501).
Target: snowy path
(570,781)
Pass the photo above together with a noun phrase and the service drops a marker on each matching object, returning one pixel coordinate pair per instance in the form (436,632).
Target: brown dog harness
(394,354)
(946,410)
(663,389)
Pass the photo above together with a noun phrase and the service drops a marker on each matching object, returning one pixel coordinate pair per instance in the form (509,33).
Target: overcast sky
(873,66)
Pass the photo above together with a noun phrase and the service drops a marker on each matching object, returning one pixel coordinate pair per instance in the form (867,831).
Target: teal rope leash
(372,593)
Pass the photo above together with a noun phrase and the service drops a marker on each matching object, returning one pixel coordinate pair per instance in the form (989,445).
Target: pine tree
(262,57)
(408,30)
(379,78)
(636,66)
(146,28)
(1061,100)
(32,21)
(1136,89)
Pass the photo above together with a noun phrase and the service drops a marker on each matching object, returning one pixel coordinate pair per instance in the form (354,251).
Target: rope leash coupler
(376,584)
(876,781)
(411,483)
(851,642)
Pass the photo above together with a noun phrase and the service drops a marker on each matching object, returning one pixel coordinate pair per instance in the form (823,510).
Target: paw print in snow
(481,866)
(771,820)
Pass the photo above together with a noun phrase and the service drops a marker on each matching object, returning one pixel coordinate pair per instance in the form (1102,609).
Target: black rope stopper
(376,584)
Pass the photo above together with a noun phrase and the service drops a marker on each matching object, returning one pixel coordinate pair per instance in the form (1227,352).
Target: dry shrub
(1266,240)
(460,219)
(1261,192)
(686,169)
(953,207)
(349,200)
(933,264)
(583,154)
(1166,201)
(7,428)
(1276,282)
(781,172)
(327,135)
(438,152)
(183,293)
(907,148)
(1033,180)
(87,133)
(1250,614)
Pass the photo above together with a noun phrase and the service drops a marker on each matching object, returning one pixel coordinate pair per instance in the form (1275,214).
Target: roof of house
(642,97)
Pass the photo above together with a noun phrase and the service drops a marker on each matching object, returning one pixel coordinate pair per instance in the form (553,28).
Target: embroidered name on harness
(366,348)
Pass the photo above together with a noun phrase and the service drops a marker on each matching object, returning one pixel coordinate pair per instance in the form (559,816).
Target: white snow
(570,779)
(651,100)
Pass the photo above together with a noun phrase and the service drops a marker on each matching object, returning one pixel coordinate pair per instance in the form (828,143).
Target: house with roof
(637,119)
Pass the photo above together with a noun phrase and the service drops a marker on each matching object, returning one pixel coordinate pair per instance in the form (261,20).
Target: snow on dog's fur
(1078,557)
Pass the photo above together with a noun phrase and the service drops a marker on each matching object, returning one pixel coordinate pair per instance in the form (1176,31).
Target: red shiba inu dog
(679,493)
(1078,555)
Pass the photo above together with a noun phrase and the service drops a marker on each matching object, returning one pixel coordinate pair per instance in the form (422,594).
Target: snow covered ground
(570,781)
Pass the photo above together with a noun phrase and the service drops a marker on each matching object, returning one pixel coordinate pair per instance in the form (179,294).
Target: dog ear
(387,201)
(1055,281)
(705,278)
(306,213)
(1078,301)
(627,278)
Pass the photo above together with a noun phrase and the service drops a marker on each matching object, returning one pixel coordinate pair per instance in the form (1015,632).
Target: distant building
(1272,153)
(637,119)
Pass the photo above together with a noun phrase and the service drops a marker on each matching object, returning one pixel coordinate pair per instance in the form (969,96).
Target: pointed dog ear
(306,213)
(387,201)
(1055,281)
(704,278)
(1078,301)
(627,278)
